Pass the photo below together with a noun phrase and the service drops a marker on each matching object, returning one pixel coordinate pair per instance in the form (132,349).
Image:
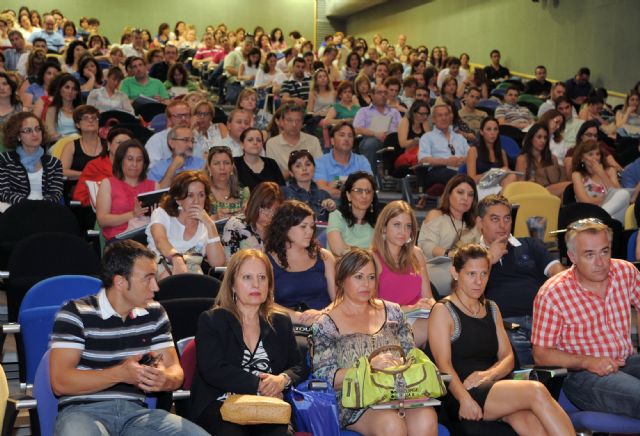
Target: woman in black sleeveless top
(468,341)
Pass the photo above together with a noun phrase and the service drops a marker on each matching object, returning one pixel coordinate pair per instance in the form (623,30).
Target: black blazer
(219,350)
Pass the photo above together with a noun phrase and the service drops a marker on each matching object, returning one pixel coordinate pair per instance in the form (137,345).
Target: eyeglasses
(30,130)
(180,116)
(89,118)
(585,222)
(452,149)
(365,191)
(185,139)
(203,114)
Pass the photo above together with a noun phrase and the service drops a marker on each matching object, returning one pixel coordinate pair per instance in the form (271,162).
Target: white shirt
(35,182)
(175,234)
(461,77)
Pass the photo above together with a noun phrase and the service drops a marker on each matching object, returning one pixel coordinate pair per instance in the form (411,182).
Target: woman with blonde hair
(321,94)
(403,275)
(260,352)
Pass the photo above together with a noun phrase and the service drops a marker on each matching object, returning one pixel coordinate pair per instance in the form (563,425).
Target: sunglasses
(452,149)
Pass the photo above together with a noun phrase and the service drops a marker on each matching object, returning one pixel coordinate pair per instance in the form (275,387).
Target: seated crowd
(295,159)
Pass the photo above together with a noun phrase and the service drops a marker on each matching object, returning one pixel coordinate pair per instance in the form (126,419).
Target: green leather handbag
(417,377)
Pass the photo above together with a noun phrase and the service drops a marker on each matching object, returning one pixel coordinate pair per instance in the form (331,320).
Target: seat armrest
(11,328)
(14,405)
(181,394)
(4,274)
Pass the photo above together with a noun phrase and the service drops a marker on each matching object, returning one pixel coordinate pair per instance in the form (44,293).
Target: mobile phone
(318,385)
(150,360)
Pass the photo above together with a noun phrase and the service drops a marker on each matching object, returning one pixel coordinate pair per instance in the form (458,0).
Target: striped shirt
(91,325)
(296,88)
(570,318)
(14,180)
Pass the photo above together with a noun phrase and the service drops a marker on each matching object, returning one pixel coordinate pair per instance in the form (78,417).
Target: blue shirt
(313,198)
(156,173)
(55,41)
(434,144)
(631,175)
(328,169)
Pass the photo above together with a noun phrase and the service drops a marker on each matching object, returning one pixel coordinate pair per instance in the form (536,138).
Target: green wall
(114,15)
(562,34)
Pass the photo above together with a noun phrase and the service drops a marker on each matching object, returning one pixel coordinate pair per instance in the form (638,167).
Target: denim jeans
(368,148)
(617,393)
(121,417)
(521,339)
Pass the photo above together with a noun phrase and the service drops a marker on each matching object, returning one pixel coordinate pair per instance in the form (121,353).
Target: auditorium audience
(227,197)
(469,342)
(117,206)
(345,107)
(357,324)
(510,113)
(538,164)
(252,167)
(58,114)
(595,182)
(539,85)
(304,272)
(553,120)
(181,232)
(301,186)
(180,142)
(495,72)
(249,229)
(410,129)
(351,225)
(109,97)
(403,278)
(578,87)
(79,152)
(26,171)
(244,318)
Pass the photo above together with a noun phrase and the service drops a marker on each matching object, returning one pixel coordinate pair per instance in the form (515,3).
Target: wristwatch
(288,379)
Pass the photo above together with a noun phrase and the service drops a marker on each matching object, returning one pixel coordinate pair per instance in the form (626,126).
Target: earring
(371,208)
(349,204)
(384,236)
(235,297)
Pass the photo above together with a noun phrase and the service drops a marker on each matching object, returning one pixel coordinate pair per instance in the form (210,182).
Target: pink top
(123,197)
(401,288)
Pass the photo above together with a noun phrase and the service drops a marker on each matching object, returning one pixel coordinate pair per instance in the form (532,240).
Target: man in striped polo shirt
(97,346)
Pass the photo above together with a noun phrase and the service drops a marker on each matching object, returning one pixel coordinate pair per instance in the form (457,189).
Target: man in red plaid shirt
(582,321)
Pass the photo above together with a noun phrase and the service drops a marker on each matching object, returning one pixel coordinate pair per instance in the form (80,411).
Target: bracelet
(176,254)
(213,240)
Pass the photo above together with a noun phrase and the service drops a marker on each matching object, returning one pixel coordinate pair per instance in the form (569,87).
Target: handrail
(530,77)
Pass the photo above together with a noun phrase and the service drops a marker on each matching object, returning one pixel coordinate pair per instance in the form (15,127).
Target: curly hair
(290,214)
(180,189)
(11,129)
(345,205)
(69,56)
(49,63)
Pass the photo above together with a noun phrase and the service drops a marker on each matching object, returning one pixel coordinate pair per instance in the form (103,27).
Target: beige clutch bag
(255,409)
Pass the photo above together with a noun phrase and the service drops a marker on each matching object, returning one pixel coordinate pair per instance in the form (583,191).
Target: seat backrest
(59,289)
(36,325)
(26,218)
(187,286)
(92,188)
(46,255)
(184,313)
(569,195)
(159,122)
(544,205)
(519,188)
(188,363)
(509,146)
(630,218)
(631,247)
(47,401)
(4,395)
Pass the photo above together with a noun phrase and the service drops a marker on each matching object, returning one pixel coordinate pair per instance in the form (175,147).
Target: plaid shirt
(570,318)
